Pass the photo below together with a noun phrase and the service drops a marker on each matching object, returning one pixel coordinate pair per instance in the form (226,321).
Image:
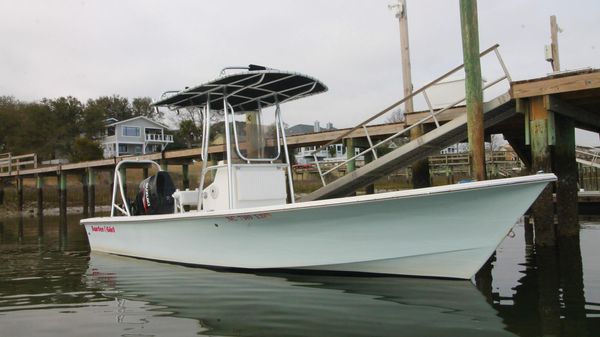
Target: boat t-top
(244,214)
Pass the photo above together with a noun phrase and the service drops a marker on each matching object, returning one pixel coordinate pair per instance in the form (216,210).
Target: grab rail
(432,115)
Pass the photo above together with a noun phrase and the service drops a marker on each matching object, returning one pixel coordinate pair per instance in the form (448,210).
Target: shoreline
(31,211)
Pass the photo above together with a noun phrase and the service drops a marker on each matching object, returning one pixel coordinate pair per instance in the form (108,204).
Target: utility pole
(554,46)
(420,169)
(473,87)
(400,12)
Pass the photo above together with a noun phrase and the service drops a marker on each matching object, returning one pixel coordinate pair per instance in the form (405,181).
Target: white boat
(242,219)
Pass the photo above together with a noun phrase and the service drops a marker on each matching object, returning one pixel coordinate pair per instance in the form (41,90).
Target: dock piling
(565,167)
(62,199)
(543,211)
(20,193)
(91,177)
(185,174)
(86,196)
(40,195)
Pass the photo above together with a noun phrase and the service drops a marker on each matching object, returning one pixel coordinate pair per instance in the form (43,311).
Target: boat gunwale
(428,191)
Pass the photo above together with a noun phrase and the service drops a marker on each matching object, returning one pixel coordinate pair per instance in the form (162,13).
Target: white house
(138,135)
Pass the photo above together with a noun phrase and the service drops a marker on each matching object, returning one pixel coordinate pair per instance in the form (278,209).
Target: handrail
(7,160)
(432,115)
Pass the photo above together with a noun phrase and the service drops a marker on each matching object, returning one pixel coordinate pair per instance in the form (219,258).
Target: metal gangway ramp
(452,132)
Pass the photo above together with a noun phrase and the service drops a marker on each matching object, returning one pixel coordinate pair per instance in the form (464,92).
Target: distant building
(134,136)
(304,155)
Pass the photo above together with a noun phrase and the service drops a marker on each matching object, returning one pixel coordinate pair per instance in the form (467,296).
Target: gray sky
(141,48)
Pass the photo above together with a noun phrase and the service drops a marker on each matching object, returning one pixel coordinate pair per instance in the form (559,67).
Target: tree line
(64,127)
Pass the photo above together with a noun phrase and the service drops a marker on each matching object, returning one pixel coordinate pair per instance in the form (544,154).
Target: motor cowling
(155,195)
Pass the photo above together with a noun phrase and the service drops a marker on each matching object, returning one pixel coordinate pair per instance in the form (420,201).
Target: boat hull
(447,231)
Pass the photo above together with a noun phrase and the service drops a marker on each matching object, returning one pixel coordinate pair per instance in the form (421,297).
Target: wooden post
(554,45)
(402,16)
(565,167)
(91,176)
(185,173)
(40,195)
(86,196)
(1,191)
(474,91)
(420,169)
(20,193)
(62,187)
(541,161)
(145,172)
(369,189)
(350,148)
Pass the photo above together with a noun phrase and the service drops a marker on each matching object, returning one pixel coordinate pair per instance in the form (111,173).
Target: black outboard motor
(155,195)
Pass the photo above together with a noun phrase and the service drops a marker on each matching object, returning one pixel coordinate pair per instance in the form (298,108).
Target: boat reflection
(244,304)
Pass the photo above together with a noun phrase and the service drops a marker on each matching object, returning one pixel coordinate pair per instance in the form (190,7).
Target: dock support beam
(62,201)
(1,191)
(20,193)
(91,178)
(565,167)
(369,189)
(39,184)
(474,90)
(86,195)
(185,169)
(541,136)
(350,149)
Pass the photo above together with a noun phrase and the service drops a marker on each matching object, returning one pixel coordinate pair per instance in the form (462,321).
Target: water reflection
(549,297)
(242,304)
(47,275)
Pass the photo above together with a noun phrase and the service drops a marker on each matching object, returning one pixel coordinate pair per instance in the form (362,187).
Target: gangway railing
(431,116)
(588,157)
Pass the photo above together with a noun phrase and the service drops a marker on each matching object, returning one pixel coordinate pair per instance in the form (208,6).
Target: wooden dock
(536,116)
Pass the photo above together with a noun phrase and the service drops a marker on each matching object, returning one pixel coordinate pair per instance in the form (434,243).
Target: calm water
(50,285)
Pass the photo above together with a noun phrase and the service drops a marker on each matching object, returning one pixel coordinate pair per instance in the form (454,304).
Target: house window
(110,131)
(122,148)
(138,149)
(131,131)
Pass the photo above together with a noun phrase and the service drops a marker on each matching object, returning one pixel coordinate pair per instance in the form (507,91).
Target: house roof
(138,117)
(300,129)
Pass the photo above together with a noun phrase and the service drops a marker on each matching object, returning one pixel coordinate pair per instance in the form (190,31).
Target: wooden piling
(86,196)
(185,173)
(62,201)
(39,183)
(474,90)
(91,177)
(350,148)
(1,191)
(20,193)
(543,211)
(369,189)
(565,167)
